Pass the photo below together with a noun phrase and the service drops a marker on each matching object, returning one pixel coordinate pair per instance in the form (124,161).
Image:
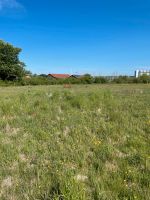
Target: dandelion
(97,142)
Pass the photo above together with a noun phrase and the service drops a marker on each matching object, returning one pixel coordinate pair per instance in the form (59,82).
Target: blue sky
(102,37)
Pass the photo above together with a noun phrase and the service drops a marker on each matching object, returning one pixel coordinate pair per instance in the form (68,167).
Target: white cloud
(12,4)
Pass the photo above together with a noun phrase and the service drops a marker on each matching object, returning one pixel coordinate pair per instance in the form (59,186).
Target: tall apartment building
(139,73)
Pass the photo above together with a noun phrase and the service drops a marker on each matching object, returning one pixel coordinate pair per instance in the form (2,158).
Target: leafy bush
(123,79)
(87,79)
(38,80)
(100,79)
(144,79)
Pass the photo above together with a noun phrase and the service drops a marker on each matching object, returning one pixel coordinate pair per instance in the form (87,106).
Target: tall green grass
(83,143)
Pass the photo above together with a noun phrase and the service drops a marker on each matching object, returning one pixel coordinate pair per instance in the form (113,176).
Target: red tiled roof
(59,75)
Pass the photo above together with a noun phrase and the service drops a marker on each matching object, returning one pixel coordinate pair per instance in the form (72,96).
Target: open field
(90,142)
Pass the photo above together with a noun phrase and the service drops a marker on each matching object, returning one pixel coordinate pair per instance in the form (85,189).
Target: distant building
(139,73)
(76,76)
(59,76)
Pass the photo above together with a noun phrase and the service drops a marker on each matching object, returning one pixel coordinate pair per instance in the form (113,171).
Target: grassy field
(84,143)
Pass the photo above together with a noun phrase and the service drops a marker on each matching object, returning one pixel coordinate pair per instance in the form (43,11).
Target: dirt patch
(7,182)
(10,131)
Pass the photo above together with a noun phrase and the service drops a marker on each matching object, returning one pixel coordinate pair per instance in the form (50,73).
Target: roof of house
(59,75)
(76,75)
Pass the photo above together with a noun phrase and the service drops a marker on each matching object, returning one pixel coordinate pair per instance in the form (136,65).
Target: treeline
(13,72)
(86,79)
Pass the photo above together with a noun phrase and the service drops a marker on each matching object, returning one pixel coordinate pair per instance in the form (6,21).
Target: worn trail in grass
(83,143)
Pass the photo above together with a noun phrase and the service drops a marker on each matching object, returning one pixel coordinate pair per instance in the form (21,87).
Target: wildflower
(97,142)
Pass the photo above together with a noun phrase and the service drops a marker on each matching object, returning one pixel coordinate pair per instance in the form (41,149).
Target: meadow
(89,142)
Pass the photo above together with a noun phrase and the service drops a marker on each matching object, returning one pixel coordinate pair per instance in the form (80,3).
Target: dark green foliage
(100,79)
(10,65)
(38,80)
(144,79)
(123,79)
(87,79)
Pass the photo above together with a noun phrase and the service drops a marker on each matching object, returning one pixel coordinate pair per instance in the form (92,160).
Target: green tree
(87,79)
(144,78)
(123,79)
(10,65)
(100,79)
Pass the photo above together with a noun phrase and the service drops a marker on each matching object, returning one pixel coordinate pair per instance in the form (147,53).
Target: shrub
(100,79)
(87,79)
(38,80)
